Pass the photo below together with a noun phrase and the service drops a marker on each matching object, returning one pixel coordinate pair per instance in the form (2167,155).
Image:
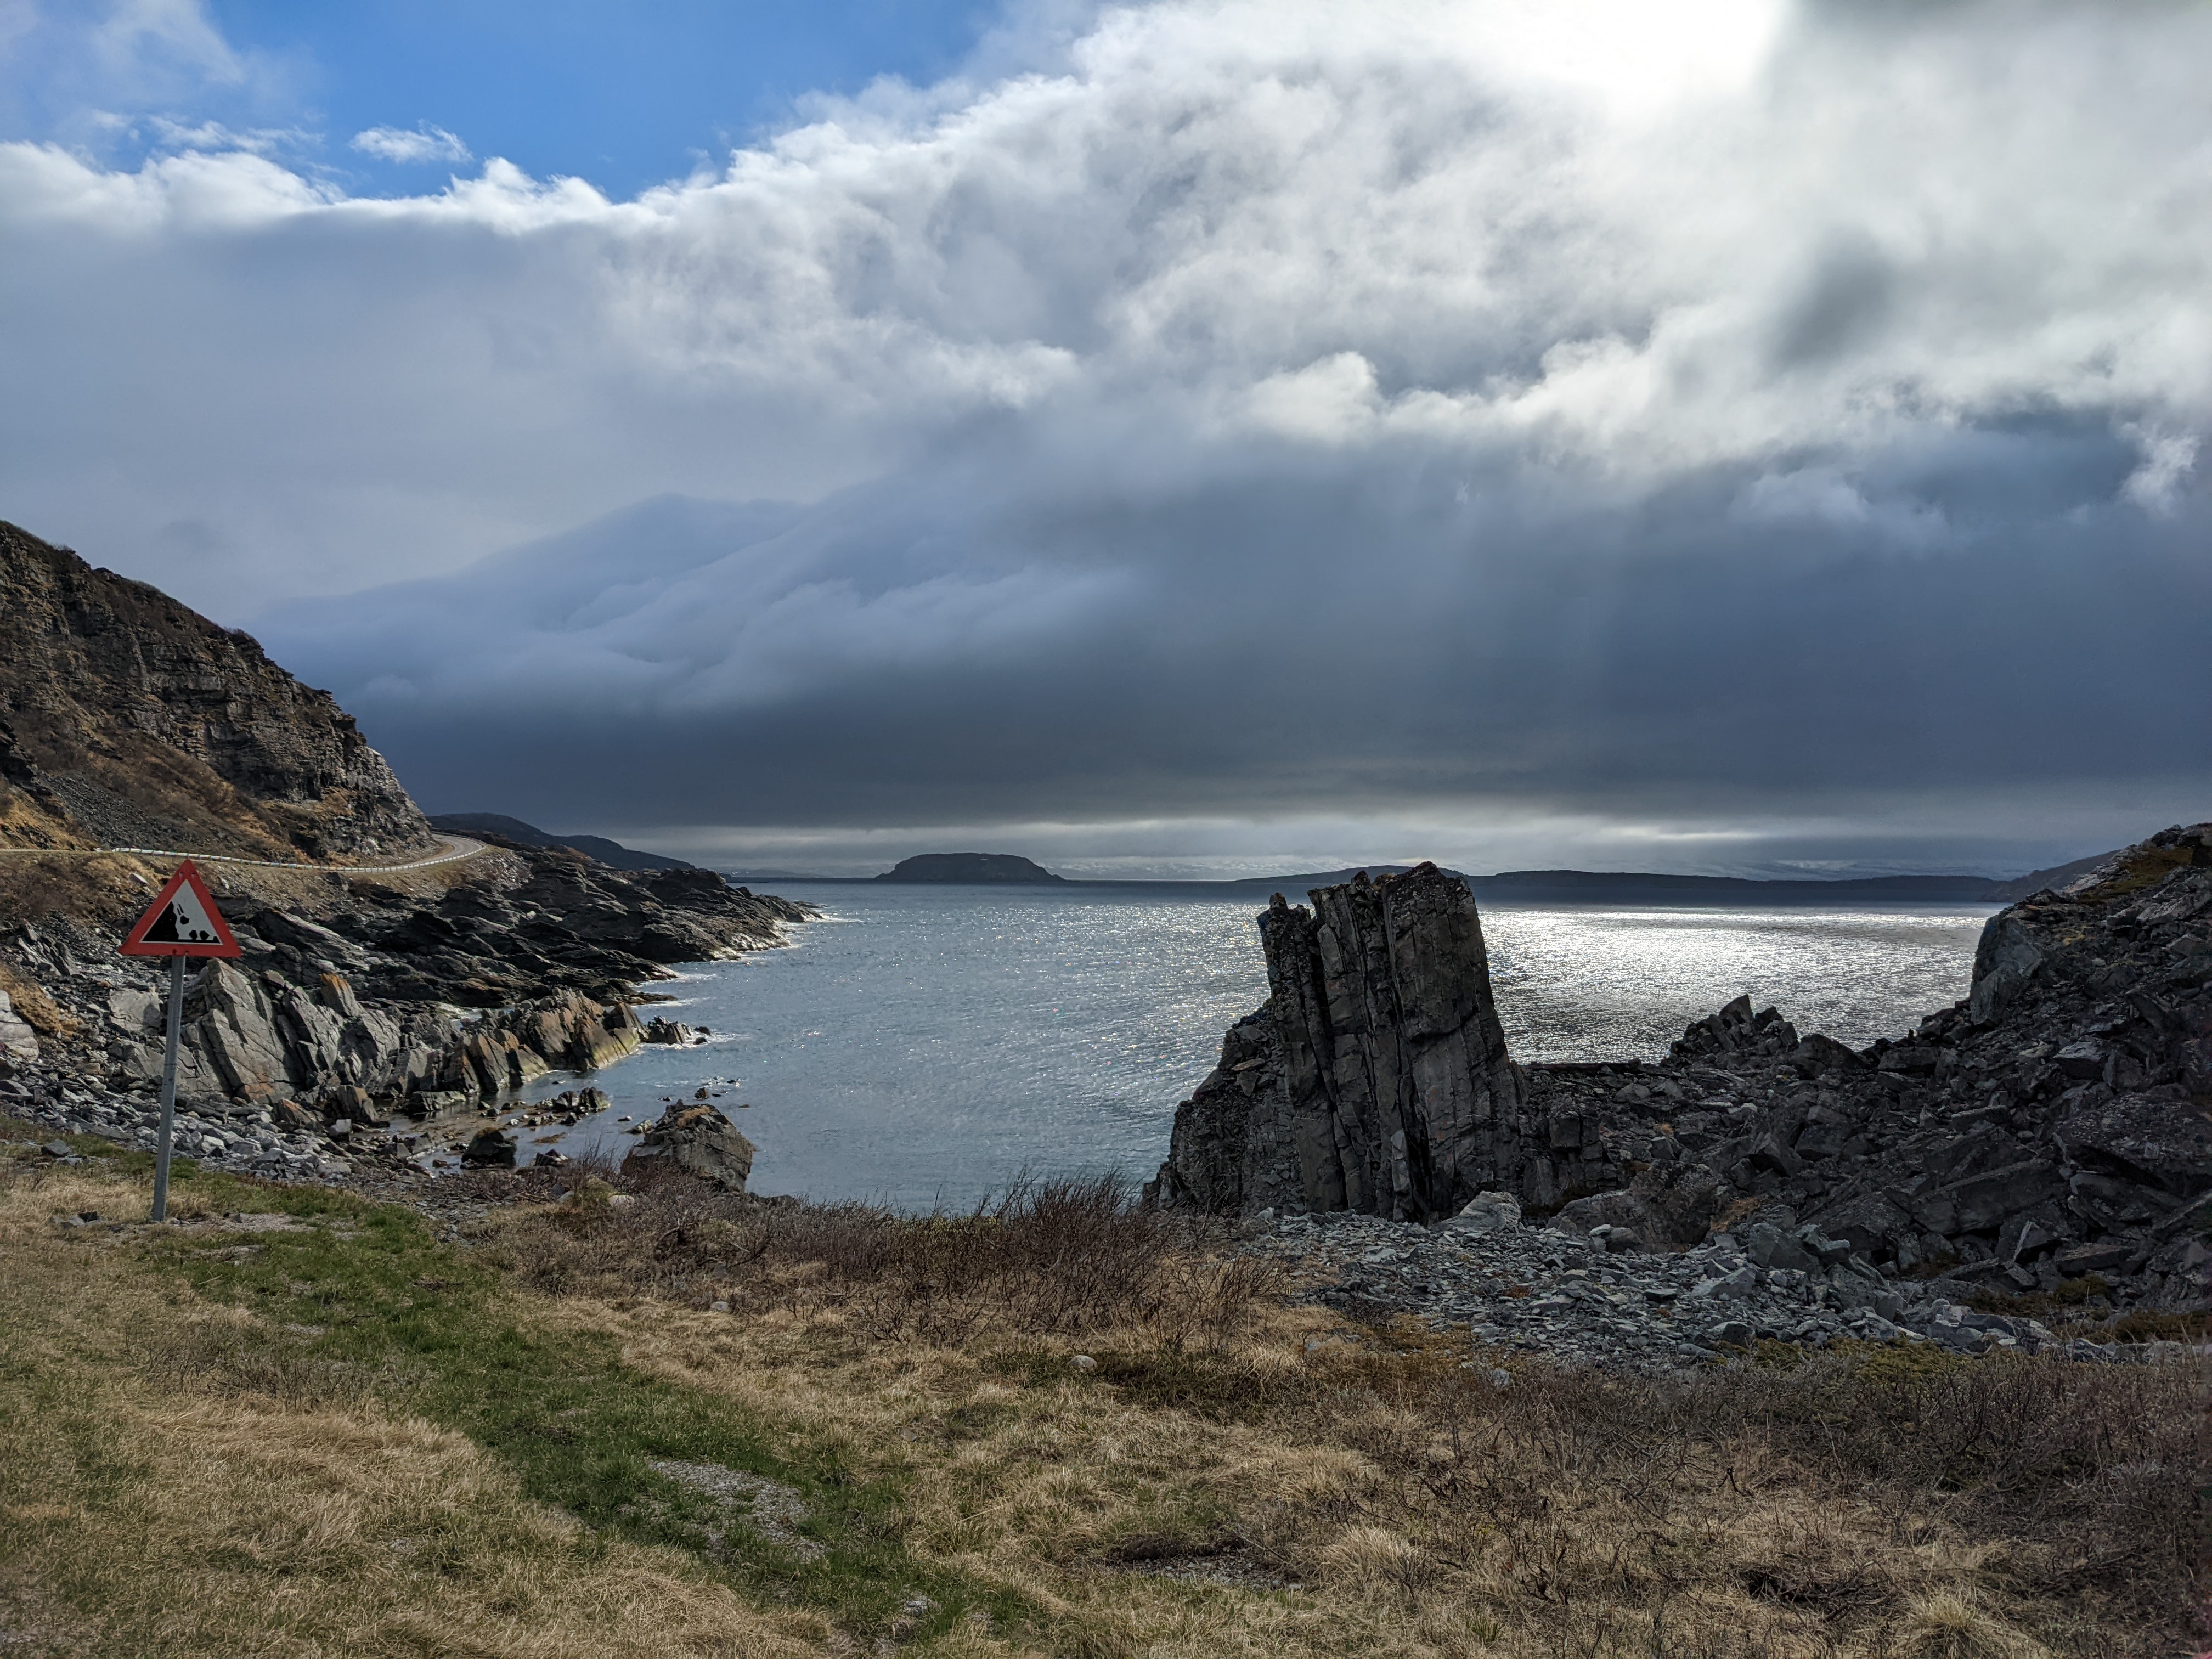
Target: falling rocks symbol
(182,921)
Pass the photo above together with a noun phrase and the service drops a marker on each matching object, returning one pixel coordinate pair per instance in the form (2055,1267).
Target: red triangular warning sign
(182,921)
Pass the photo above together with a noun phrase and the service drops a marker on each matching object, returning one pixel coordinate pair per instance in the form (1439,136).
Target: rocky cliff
(2054,1127)
(1376,1077)
(362,1013)
(127,719)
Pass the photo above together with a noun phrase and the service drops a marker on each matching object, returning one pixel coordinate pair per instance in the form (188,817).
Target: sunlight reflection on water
(929,1044)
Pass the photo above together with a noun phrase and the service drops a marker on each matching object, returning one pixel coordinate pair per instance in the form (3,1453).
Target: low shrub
(1058,1256)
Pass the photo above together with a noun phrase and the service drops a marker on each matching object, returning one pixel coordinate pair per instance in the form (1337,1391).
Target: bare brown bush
(1058,1256)
(2061,1486)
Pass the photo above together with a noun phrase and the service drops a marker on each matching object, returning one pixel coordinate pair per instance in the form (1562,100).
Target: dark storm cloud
(1422,415)
(899,656)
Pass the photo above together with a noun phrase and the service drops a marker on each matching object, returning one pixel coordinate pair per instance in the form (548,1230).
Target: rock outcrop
(126,718)
(1375,1077)
(698,1140)
(2053,1128)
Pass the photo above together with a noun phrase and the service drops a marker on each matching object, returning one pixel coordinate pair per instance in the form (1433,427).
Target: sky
(1746,436)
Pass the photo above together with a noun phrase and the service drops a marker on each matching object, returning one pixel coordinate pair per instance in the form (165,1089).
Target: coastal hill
(612,853)
(997,869)
(127,719)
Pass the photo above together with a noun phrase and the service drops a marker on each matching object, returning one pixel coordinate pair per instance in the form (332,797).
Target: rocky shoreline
(2043,1146)
(332,1042)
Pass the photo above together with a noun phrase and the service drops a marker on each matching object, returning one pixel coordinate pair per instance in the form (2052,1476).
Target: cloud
(425,143)
(1479,414)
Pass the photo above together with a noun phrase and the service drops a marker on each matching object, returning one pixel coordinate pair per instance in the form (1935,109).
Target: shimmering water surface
(927,1043)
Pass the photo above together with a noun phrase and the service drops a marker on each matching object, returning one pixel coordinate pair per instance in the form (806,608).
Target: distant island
(997,869)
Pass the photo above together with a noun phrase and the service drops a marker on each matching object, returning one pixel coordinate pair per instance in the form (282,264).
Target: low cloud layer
(1697,436)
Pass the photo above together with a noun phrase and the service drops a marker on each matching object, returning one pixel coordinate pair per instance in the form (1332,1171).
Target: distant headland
(997,869)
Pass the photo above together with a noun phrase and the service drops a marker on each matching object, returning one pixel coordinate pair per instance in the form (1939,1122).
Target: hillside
(612,853)
(127,719)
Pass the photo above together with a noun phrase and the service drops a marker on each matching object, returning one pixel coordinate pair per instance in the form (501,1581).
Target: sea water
(922,1045)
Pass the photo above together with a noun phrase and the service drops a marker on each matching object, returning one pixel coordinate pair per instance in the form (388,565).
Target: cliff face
(127,719)
(1375,1077)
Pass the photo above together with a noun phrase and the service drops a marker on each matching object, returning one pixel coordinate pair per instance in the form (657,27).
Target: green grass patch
(367,1300)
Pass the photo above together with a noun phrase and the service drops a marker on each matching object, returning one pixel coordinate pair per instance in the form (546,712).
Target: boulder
(697,1140)
(2161,1142)
(1486,1212)
(18,1039)
(2005,960)
(1820,1053)
(489,1148)
(658,1030)
(233,1026)
(1770,1247)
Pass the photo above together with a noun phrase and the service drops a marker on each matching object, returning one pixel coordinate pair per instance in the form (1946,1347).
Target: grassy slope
(347,1437)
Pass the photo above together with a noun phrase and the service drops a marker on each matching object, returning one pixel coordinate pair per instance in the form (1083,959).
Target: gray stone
(2005,960)
(490,1147)
(2143,1140)
(18,1039)
(1770,1247)
(1485,1212)
(697,1140)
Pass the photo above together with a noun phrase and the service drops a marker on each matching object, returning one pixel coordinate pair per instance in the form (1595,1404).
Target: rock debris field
(1566,1297)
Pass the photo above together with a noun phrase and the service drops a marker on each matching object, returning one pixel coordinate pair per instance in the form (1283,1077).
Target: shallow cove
(929,1044)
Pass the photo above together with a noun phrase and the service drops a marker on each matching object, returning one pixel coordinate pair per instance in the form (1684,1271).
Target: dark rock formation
(127,719)
(1375,1077)
(2055,1123)
(985,868)
(697,1140)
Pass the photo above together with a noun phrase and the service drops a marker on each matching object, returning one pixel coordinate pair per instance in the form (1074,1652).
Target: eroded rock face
(698,1140)
(126,718)
(1376,1077)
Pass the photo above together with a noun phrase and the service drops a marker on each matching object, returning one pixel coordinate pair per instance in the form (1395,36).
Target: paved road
(457,848)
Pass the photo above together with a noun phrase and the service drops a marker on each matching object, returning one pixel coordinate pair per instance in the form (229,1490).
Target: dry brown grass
(1231,1476)
(1047,1256)
(38,1010)
(151,1506)
(1877,1501)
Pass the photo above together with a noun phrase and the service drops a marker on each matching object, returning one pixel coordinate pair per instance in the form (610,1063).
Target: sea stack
(1374,1078)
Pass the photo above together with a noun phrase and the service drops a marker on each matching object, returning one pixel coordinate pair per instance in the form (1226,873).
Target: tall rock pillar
(1375,1077)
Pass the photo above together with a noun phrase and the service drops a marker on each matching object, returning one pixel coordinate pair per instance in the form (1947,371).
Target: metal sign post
(182,921)
(168,1089)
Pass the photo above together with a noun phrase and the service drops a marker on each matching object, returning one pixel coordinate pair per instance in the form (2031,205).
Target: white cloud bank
(1505,408)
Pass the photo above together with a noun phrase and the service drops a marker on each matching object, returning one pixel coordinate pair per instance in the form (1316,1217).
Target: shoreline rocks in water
(1375,1079)
(2050,1130)
(698,1140)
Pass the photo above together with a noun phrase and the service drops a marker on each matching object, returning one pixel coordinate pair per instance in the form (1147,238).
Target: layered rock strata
(2053,1128)
(1375,1079)
(368,1014)
(126,718)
